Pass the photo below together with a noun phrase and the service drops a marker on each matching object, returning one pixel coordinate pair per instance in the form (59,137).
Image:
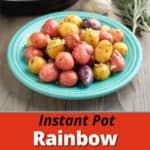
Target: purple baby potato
(91,23)
(86,75)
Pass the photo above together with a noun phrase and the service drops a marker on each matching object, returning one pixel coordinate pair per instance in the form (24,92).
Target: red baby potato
(89,48)
(48,73)
(68,78)
(82,53)
(117,62)
(64,61)
(72,40)
(91,61)
(50,28)
(117,34)
(38,40)
(104,35)
(31,51)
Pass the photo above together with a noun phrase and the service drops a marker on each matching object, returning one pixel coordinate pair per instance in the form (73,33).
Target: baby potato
(82,53)
(86,75)
(72,40)
(105,28)
(103,51)
(38,40)
(68,78)
(35,64)
(67,28)
(29,43)
(91,37)
(64,61)
(54,47)
(48,73)
(104,35)
(121,47)
(31,51)
(117,34)
(116,62)
(73,19)
(50,27)
(91,23)
(101,71)
(81,34)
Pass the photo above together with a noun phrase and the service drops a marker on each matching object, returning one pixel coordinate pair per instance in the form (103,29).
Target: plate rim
(70,97)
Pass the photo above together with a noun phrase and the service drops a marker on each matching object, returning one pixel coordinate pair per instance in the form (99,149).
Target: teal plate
(18,64)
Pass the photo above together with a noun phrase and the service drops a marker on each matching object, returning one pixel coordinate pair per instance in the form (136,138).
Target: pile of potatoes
(73,51)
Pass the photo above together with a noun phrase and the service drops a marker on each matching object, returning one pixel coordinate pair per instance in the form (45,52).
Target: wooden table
(16,97)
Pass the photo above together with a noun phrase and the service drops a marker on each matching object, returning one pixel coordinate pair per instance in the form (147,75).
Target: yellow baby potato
(121,47)
(35,64)
(101,71)
(67,27)
(54,47)
(73,19)
(103,51)
(91,36)
(105,28)
(29,43)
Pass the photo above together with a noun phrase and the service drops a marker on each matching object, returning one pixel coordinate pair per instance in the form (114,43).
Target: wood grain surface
(16,97)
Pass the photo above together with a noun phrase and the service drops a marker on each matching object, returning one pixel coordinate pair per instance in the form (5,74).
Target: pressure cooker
(20,7)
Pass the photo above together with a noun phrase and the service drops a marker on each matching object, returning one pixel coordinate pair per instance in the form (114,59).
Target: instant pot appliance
(22,7)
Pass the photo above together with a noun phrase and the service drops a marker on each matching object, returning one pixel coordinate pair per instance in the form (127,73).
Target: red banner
(64,131)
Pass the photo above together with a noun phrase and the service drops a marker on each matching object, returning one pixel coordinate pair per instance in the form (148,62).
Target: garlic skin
(98,6)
